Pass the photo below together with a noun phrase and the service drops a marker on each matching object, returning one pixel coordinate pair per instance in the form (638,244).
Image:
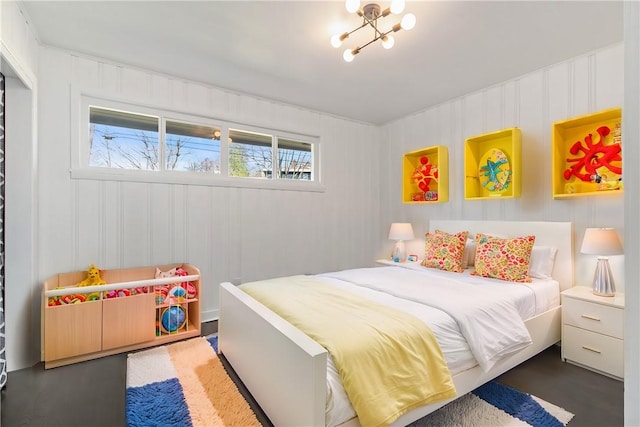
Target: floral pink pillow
(444,251)
(505,259)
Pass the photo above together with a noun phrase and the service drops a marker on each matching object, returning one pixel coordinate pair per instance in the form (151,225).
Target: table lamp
(602,242)
(400,231)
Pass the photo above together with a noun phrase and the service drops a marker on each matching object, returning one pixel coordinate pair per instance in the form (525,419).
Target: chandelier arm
(373,40)
(364,24)
(373,22)
(370,15)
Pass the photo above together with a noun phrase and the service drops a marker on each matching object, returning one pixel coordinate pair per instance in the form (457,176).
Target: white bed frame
(286,371)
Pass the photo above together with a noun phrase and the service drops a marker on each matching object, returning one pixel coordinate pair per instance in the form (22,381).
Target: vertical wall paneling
(232,234)
(607,91)
(160,238)
(631,162)
(532,102)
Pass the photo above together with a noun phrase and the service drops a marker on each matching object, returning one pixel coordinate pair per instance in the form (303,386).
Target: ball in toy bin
(173,318)
(178,292)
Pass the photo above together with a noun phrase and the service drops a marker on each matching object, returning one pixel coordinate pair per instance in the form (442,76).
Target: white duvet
(475,320)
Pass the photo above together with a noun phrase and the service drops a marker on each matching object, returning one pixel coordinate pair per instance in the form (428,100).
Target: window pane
(118,139)
(294,159)
(193,148)
(250,154)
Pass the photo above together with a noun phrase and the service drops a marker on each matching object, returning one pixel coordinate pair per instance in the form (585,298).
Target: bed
(286,371)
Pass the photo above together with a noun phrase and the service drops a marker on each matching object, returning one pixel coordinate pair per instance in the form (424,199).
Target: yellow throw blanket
(389,361)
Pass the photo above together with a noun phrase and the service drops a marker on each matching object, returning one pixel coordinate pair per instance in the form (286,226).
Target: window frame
(80,149)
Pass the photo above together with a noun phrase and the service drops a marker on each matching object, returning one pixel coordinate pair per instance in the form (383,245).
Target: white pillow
(469,253)
(542,260)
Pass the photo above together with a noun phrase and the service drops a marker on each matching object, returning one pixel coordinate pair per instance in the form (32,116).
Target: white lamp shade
(601,241)
(401,231)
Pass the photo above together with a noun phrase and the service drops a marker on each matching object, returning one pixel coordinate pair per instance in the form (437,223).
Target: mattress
(400,287)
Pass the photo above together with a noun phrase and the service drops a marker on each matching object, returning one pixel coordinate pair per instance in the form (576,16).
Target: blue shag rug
(495,404)
(158,394)
(184,385)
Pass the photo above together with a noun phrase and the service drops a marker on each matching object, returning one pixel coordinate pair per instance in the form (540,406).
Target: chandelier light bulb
(408,21)
(352,5)
(336,41)
(397,6)
(348,55)
(372,15)
(387,42)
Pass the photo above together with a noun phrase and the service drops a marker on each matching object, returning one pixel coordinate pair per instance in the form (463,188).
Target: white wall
(17,40)
(232,234)
(631,165)
(533,103)
(18,62)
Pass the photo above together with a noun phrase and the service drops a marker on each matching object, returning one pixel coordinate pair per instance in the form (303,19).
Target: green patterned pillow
(504,259)
(444,251)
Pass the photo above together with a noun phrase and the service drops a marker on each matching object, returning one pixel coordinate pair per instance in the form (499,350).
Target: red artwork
(424,173)
(593,156)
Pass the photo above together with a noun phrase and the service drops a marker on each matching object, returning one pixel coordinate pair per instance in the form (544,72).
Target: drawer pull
(591,349)
(586,316)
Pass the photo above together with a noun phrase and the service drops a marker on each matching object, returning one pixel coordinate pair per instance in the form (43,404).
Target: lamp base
(399,253)
(603,284)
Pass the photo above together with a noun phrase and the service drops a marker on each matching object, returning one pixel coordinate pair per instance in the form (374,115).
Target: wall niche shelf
(587,155)
(425,175)
(492,165)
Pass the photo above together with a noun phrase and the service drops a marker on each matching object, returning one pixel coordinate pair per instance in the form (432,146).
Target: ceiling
(281,49)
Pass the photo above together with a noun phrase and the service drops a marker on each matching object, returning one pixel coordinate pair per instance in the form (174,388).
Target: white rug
(497,405)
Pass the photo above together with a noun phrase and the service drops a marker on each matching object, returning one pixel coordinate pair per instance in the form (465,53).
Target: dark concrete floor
(92,393)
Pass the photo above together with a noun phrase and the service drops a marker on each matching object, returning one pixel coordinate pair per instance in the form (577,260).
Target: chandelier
(370,15)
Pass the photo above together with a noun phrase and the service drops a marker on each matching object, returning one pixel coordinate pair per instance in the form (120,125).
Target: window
(193,148)
(294,159)
(118,139)
(250,154)
(134,143)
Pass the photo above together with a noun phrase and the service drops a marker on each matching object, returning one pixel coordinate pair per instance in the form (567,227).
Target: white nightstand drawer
(600,352)
(595,317)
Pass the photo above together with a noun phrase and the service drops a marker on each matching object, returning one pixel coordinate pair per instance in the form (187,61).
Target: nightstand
(593,331)
(397,264)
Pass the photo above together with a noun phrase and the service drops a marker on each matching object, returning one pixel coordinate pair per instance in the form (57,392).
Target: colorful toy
(177,292)
(169,273)
(173,293)
(172,319)
(191,290)
(161,292)
(93,277)
(93,296)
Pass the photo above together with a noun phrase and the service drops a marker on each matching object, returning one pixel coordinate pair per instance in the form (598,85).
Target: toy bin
(121,315)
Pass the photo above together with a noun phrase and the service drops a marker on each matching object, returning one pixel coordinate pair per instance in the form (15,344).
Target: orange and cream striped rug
(183,384)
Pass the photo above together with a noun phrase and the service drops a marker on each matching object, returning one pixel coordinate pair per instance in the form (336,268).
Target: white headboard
(548,233)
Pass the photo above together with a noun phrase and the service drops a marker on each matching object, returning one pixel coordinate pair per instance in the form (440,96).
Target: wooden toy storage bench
(77,332)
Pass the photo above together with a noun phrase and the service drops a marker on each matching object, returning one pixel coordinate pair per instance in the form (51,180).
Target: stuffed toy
(93,277)
(174,293)
(161,274)
(188,286)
